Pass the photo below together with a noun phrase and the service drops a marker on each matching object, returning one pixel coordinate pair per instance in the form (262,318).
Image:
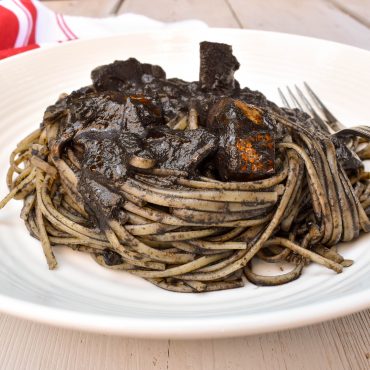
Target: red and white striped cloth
(28,24)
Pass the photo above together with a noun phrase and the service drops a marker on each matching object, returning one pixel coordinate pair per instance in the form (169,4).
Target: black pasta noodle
(186,184)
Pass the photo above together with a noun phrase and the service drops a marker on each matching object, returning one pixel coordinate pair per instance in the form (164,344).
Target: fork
(329,123)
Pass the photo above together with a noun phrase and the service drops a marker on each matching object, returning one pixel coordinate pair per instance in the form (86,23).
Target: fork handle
(362,131)
(336,126)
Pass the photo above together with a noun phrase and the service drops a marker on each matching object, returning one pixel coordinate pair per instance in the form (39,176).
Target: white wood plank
(318,18)
(87,8)
(358,9)
(336,345)
(27,345)
(215,13)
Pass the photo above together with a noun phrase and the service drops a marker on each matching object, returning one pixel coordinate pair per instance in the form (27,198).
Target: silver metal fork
(321,113)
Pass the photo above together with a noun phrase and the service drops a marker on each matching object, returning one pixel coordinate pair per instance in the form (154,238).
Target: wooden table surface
(339,344)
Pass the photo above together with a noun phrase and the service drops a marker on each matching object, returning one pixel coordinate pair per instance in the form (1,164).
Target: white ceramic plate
(82,295)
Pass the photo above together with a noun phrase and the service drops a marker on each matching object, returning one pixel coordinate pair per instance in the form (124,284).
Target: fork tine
(284,99)
(328,115)
(311,110)
(332,121)
(329,123)
(294,99)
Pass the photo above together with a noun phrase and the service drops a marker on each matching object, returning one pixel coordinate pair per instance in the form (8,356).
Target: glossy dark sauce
(125,111)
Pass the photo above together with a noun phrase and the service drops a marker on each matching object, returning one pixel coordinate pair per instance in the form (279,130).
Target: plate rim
(186,329)
(207,30)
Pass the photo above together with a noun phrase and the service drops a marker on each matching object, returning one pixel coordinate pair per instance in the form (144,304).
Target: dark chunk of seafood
(180,150)
(141,111)
(120,75)
(100,201)
(346,157)
(217,67)
(247,147)
(104,156)
(85,108)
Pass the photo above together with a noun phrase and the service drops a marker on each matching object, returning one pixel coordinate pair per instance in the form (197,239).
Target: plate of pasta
(156,207)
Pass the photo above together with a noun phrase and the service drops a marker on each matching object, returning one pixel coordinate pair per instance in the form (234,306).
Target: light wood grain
(88,8)
(215,13)
(318,18)
(336,345)
(323,346)
(358,9)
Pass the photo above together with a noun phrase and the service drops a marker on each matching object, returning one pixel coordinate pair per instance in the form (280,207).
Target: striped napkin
(28,24)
